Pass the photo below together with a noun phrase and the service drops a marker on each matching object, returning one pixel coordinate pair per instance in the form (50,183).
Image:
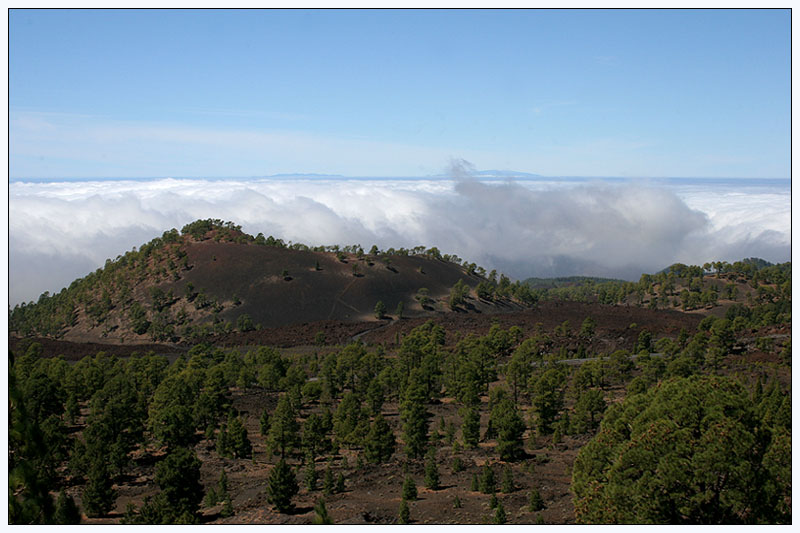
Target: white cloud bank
(62,230)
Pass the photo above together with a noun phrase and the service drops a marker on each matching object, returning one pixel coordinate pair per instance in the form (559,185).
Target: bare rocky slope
(213,279)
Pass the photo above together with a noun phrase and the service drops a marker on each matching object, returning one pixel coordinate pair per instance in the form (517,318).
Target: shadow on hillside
(300,510)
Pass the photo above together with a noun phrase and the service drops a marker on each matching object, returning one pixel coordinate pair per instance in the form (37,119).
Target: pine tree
(375,396)
(227,508)
(414,415)
(470,429)
(282,487)
(340,483)
(380,443)
(590,403)
(283,429)
(450,433)
(131,516)
(474,486)
(178,477)
(493,501)
(222,485)
(220,493)
(556,435)
(321,516)
(349,420)
(487,480)
(328,482)
(98,495)
(508,480)
(310,474)
(535,502)
(499,514)
(314,435)
(456,502)
(409,489)
(403,514)
(547,398)
(509,426)
(211,498)
(380,310)
(67,511)
(263,423)
(432,471)
(237,438)
(223,442)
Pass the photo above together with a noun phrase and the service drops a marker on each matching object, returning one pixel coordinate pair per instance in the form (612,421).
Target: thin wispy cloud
(59,145)
(127,148)
(247,113)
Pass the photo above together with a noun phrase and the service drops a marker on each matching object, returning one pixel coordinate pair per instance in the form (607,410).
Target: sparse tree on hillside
(315,437)
(321,516)
(239,443)
(67,511)
(245,323)
(376,395)
(499,514)
(432,470)
(414,415)
(471,427)
(589,405)
(263,423)
(547,395)
(508,424)
(283,431)
(409,489)
(508,479)
(535,502)
(349,420)
(423,297)
(380,442)
(587,328)
(458,294)
(485,290)
(178,476)
(403,514)
(98,495)
(282,487)
(487,483)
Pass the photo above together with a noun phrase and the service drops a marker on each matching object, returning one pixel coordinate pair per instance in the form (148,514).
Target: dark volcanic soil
(617,327)
(73,351)
(614,330)
(318,285)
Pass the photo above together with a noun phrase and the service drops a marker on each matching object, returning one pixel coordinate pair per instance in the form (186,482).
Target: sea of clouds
(62,230)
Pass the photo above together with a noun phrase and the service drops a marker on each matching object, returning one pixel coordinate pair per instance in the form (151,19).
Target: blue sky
(398,93)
